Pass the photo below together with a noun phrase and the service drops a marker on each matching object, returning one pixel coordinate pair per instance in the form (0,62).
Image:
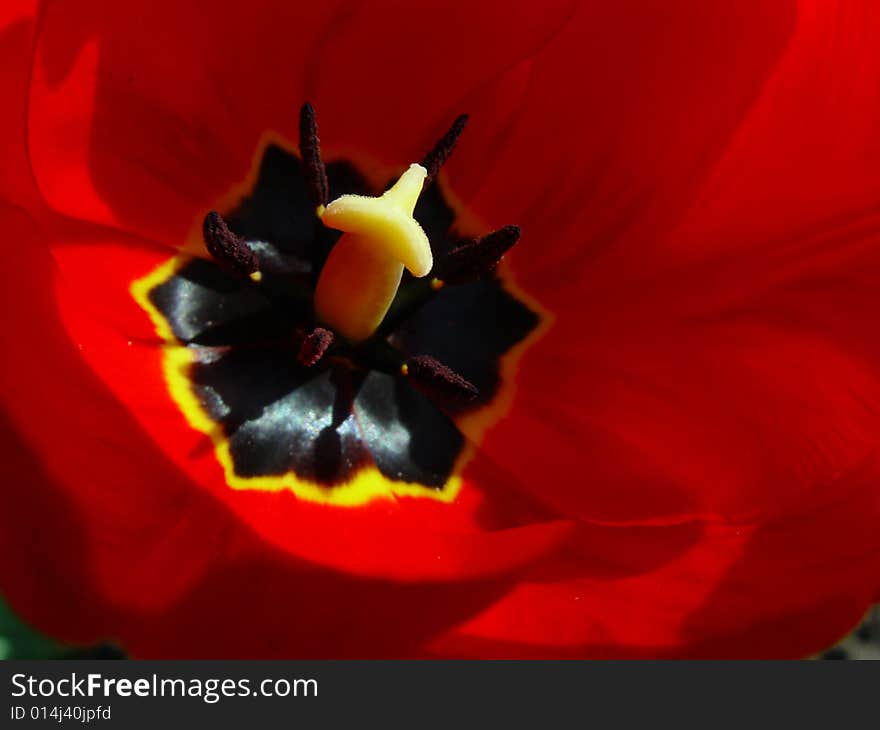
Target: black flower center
(282,397)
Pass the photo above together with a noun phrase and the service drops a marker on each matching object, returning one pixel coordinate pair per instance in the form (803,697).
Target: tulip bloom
(651,431)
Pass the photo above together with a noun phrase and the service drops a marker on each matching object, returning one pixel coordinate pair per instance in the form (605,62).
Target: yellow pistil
(363,271)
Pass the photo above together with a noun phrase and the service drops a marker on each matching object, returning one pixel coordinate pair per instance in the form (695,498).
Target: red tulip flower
(651,430)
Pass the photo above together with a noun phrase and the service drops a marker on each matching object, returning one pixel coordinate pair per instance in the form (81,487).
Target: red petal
(721,365)
(738,412)
(78,459)
(612,125)
(17,21)
(782,589)
(807,157)
(145,120)
(390,83)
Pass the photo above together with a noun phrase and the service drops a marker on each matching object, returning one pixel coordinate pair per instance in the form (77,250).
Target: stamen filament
(229,249)
(314,346)
(310,150)
(438,378)
(477,258)
(444,148)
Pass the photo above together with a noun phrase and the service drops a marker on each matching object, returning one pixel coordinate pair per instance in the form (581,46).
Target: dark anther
(227,248)
(474,259)
(314,345)
(436,378)
(310,150)
(434,160)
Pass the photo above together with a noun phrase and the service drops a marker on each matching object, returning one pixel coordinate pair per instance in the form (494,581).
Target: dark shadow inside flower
(461,324)
(277,218)
(277,415)
(325,423)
